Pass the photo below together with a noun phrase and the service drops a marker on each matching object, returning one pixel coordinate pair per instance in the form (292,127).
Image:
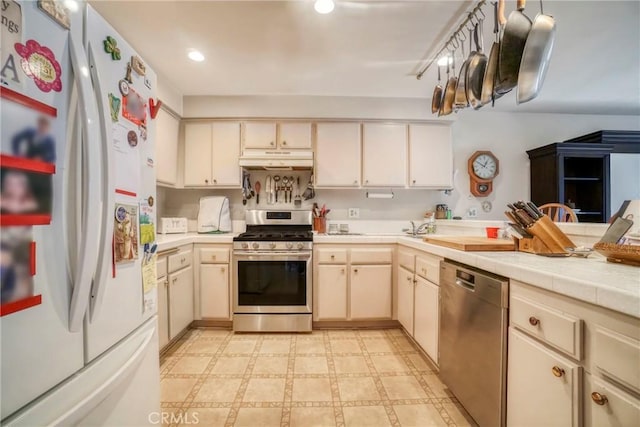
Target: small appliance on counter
(172,225)
(214,215)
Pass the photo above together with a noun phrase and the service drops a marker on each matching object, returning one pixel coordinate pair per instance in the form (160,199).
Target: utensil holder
(320,225)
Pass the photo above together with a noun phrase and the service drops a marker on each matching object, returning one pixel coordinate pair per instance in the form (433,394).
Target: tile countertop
(592,279)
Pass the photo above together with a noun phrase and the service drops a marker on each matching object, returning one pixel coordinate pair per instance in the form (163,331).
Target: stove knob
(255,246)
(245,246)
(289,245)
(300,246)
(272,245)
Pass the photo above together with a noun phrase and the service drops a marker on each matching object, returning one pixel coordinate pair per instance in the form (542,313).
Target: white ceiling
(372,48)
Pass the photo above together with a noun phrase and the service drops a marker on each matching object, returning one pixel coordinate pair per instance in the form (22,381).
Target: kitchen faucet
(420,228)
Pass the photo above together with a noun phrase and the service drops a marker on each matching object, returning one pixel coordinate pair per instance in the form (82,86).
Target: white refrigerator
(78,316)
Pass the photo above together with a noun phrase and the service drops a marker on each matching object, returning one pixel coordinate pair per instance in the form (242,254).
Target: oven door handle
(272,256)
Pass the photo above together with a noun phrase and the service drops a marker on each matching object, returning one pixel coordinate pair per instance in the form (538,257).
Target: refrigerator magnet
(40,64)
(134,108)
(143,131)
(56,11)
(154,107)
(127,76)
(111,47)
(147,82)
(125,233)
(132,138)
(123,85)
(114,107)
(138,66)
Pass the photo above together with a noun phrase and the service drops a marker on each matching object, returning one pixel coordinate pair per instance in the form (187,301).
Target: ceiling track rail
(455,36)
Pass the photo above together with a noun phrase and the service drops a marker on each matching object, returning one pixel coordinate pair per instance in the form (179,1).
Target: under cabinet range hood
(277,160)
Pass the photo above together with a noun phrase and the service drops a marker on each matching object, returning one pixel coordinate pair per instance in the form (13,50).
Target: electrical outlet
(354,213)
(472,212)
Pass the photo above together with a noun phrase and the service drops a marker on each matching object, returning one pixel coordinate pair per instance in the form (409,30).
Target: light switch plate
(354,213)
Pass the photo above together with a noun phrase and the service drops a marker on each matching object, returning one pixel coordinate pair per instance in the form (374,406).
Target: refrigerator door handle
(92,202)
(104,265)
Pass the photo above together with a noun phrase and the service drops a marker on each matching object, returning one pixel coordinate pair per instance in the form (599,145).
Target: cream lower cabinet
(543,387)
(427,316)
(213,282)
(607,405)
(180,300)
(352,283)
(371,292)
(331,294)
(406,291)
(163,301)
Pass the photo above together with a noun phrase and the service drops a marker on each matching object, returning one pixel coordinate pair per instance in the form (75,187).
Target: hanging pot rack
(458,35)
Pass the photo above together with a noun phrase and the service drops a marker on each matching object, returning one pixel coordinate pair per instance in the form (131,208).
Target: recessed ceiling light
(72,5)
(324,6)
(194,55)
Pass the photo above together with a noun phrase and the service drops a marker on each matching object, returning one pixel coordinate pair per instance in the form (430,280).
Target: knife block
(547,239)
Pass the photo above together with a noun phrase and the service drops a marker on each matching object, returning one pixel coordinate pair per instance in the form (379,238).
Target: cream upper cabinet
(330,293)
(406,289)
(167,135)
(338,155)
(384,154)
(260,135)
(197,154)
(430,156)
(426,322)
(294,135)
(211,153)
(226,152)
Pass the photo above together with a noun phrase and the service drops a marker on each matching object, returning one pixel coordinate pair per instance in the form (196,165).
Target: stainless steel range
(272,276)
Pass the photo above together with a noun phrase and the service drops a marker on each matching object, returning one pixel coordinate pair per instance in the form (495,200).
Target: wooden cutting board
(472,243)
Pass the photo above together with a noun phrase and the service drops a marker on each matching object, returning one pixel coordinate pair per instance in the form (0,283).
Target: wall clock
(483,168)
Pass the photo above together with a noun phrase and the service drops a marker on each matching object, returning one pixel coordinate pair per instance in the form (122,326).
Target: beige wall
(507,134)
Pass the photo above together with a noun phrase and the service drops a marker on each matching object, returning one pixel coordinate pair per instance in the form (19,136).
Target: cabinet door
(295,135)
(225,170)
(259,135)
(371,292)
(384,148)
(544,387)
(331,293)
(197,154)
(405,299)
(214,291)
(430,156)
(167,131)
(180,301)
(338,155)
(606,405)
(163,312)
(426,327)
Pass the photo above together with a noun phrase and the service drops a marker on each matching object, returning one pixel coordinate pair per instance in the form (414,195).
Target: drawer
(332,256)
(372,256)
(214,256)
(180,260)
(407,260)
(161,267)
(607,405)
(560,330)
(618,357)
(428,267)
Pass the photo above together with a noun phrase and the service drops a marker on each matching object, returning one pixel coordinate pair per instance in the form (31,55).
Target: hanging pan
(476,70)
(436,99)
(488,94)
(461,100)
(450,89)
(535,57)
(512,44)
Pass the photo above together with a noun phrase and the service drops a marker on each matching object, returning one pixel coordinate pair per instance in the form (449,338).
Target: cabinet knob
(355,271)
(408,278)
(222,270)
(414,181)
(366,181)
(355,181)
(206,181)
(175,279)
(213,257)
(166,283)
(215,181)
(333,257)
(272,143)
(415,281)
(284,142)
(534,321)
(342,271)
(182,260)
(557,371)
(599,399)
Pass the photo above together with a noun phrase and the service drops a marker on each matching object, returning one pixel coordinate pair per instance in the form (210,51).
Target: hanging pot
(436,99)
(535,57)
(461,100)
(450,89)
(476,70)
(488,93)
(514,38)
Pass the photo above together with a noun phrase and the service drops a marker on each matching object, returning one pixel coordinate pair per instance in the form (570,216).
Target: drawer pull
(408,278)
(333,257)
(534,321)
(222,269)
(599,399)
(182,260)
(342,271)
(557,371)
(213,257)
(175,279)
(355,271)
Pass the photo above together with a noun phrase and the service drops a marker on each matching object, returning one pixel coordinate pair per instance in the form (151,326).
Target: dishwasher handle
(467,285)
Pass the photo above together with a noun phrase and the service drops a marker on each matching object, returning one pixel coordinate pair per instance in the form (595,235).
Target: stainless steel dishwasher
(473,340)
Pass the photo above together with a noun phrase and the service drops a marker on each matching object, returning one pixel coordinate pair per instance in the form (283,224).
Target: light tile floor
(327,378)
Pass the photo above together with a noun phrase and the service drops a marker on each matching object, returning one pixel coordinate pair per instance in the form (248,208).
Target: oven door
(272,282)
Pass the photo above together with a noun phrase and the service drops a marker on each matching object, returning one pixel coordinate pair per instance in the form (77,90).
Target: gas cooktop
(287,235)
